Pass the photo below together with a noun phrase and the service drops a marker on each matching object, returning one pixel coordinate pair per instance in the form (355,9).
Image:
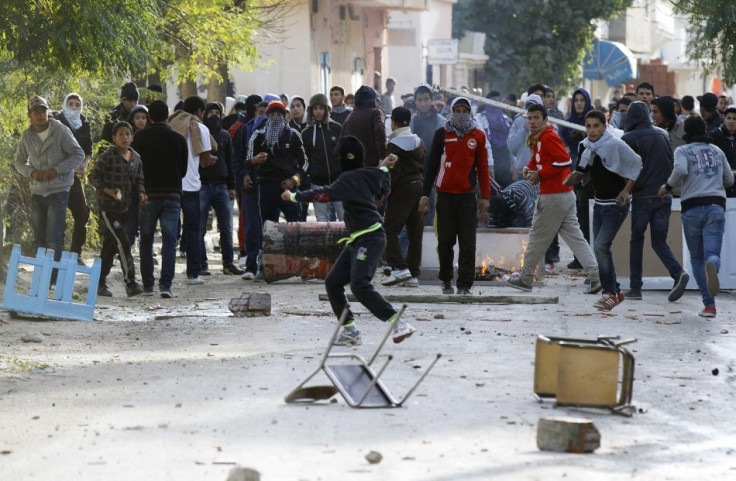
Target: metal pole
(501,105)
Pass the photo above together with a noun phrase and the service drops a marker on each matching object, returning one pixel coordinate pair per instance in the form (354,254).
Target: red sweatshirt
(551,160)
(456,164)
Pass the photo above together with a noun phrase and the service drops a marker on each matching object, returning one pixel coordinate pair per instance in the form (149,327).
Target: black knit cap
(401,115)
(365,96)
(350,152)
(129,91)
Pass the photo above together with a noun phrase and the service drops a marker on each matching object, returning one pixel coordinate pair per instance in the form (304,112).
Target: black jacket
(119,113)
(319,144)
(222,172)
(82,134)
(367,124)
(727,143)
(285,159)
(653,146)
(358,190)
(164,154)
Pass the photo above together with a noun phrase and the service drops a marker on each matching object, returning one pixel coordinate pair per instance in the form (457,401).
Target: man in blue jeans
(613,169)
(218,189)
(703,170)
(647,208)
(188,122)
(164,155)
(48,154)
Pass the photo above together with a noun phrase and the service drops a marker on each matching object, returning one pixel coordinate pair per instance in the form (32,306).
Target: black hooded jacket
(285,159)
(358,190)
(320,140)
(653,146)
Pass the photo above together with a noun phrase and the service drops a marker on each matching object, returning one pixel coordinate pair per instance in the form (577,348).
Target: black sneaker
(633,294)
(133,291)
(679,288)
(103,291)
(166,293)
(575,264)
(232,270)
(205,272)
(447,287)
(463,291)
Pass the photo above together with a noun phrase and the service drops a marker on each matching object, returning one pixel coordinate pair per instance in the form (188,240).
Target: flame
(524,244)
(484,265)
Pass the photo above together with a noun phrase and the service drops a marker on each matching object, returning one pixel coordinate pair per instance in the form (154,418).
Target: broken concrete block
(567,435)
(251,304)
(243,474)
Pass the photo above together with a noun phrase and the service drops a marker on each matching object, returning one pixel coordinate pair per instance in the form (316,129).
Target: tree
(530,42)
(712,39)
(53,47)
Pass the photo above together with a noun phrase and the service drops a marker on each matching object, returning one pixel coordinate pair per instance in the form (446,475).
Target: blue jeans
(217,197)
(654,211)
(167,212)
(703,226)
(607,220)
(190,231)
(253,228)
(48,220)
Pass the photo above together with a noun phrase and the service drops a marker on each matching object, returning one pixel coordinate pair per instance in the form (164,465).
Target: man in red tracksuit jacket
(457,164)
(555,212)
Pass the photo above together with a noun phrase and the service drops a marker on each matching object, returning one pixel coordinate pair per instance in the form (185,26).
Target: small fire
(491,269)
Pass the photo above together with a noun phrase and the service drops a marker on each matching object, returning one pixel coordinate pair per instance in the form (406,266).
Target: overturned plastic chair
(38,300)
(357,382)
(585,373)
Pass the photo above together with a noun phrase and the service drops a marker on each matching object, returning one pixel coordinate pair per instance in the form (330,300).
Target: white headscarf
(74,116)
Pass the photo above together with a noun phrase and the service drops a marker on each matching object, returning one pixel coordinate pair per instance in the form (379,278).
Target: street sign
(442,51)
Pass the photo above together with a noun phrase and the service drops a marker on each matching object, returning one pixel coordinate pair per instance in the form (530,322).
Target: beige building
(332,42)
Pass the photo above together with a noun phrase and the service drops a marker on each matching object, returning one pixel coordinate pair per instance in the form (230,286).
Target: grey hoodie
(60,151)
(704,171)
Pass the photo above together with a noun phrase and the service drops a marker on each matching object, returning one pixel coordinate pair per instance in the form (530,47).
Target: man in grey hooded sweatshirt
(48,155)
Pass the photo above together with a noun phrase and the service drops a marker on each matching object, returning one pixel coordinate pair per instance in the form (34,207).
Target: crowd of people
(388,167)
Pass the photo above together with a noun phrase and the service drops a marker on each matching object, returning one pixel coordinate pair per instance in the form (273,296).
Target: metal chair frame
(358,383)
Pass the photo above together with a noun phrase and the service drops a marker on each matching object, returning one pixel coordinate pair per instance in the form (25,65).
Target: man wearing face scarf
(71,116)
(358,187)
(218,189)
(457,166)
(278,153)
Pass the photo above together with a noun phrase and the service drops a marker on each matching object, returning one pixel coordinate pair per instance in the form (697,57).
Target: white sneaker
(397,277)
(248,276)
(195,281)
(403,331)
(413,282)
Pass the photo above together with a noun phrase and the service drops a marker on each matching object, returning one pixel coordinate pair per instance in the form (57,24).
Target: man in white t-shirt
(188,122)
